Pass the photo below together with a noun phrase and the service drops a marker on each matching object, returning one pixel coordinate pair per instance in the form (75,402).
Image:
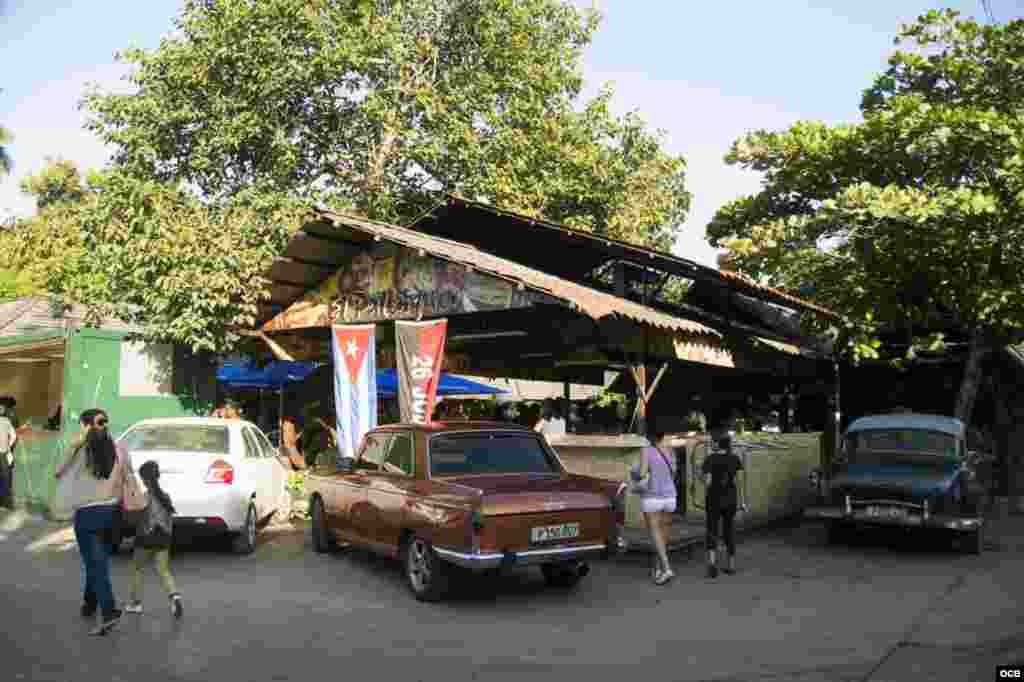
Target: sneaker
(176,609)
(712,571)
(134,606)
(88,610)
(664,577)
(729,571)
(110,619)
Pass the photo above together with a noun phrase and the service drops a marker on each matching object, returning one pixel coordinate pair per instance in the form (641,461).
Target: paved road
(878,610)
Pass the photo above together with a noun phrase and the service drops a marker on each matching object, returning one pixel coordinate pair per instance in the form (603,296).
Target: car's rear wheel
(323,538)
(974,543)
(426,573)
(245,541)
(838,532)
(562,575)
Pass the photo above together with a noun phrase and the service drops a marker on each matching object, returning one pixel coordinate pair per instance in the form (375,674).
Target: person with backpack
(721,501)
(153,540)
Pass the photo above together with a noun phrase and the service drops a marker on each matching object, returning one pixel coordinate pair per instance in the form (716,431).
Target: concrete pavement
(881,608)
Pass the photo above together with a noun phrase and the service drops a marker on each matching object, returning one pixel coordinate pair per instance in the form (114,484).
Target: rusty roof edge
(725,275)
(651,316)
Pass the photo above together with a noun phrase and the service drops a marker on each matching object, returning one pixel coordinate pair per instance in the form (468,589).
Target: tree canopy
(146,253)
(376,106)
(911,218)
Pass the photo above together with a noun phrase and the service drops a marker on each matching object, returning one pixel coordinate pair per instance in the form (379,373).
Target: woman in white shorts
(654,482)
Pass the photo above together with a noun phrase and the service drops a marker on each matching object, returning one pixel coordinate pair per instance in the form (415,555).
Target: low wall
(35,461)
(777,467)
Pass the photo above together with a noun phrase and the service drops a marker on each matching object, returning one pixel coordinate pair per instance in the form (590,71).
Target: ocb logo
(1007,672)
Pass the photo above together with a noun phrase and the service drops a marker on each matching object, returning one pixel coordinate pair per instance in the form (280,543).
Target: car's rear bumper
(201,525)
(483,561)
(911,520)
(200,506)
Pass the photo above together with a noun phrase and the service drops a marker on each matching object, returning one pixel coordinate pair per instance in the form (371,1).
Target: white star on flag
(351,348)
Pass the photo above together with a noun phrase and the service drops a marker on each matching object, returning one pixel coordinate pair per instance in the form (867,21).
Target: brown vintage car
(476,495)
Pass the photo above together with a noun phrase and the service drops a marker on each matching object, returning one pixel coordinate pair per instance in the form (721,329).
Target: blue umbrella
(276,375)
(387,385)
(271,376)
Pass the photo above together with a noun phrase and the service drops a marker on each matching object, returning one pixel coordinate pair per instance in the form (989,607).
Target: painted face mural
(357,277)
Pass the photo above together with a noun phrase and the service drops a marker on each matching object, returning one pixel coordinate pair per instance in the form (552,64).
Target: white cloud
(49,124)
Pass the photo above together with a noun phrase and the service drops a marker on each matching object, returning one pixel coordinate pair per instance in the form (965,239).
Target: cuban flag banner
(420,354)
(355,384)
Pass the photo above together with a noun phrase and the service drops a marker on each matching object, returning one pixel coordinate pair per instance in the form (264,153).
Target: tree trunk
(971,379)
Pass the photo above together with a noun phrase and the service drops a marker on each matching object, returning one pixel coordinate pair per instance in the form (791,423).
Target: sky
(703,72)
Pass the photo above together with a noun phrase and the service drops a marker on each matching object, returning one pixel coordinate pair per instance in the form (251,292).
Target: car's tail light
(220,472)
(476,522)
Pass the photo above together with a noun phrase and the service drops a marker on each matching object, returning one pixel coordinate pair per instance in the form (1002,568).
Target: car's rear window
(197,438)
(489,453)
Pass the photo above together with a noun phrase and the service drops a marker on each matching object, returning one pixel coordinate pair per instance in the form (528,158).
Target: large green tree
(147,253)
(377,105)
(911,219)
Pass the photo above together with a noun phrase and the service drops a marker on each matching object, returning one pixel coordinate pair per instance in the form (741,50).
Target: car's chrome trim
(484,561)
(864,502)
(914,520)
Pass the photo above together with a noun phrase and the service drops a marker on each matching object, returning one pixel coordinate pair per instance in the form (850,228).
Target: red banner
(418,366)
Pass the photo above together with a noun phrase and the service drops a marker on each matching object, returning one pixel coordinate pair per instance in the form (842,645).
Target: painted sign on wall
(392,282)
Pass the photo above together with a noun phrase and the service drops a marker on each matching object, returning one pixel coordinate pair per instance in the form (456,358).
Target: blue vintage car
(909,470)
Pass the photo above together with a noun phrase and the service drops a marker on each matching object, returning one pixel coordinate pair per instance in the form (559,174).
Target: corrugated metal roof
(667,262)
(789,298)
(37,314)
(591,302)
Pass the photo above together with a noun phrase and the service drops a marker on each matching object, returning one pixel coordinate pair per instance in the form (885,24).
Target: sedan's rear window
(179,438)
(489,453)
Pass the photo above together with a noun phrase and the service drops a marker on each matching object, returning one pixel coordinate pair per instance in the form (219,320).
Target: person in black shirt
(722,499)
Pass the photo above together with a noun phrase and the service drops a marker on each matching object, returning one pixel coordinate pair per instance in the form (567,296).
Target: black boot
(111,616)
(88,605)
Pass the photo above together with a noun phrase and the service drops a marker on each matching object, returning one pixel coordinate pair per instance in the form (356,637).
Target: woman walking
(721,501)
(654,482)
(153,540)
(97,487)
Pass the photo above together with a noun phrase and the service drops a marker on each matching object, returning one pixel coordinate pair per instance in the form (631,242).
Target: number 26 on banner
(422,367)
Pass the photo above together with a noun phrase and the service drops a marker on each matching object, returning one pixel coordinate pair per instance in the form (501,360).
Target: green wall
(92,366)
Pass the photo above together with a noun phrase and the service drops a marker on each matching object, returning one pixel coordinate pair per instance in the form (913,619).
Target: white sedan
(223,476)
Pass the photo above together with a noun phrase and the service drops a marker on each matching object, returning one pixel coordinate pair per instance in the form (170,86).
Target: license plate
(564,531)
(887,512)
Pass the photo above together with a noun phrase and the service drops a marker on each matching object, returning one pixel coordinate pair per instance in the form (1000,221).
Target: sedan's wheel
(323,539)
(245,542)
(558,575)
(838,532)
(426,572)
(975,542)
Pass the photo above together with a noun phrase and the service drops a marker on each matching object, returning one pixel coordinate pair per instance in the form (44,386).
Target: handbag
(133,500)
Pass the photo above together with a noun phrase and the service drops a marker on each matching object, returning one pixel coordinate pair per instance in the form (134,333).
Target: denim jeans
(90,525)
